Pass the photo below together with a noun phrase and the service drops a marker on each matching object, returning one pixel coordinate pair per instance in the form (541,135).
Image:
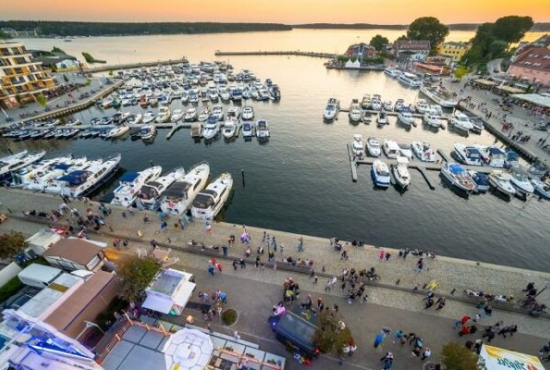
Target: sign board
(493,358)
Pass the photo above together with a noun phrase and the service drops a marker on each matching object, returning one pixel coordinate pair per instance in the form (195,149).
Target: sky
(276,11)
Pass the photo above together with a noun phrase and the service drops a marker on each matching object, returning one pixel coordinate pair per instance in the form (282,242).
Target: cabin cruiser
(424,151)
(432,119)
(401,172)
(405,117)
(106,120)
(233,113)
(366,102)
(392,72)
(248,129)
(477,125)
(163,115)
(184,97)
(180,195)
(236,93)
(521,182)
(460,121)
(421,106)
(440,95)
(405,150)
(262,129)
(380,174)
(209,202)
(118,131)
(357,146)
(332,109)
(391,149)
(493,156)
(148,132)
(203,116)
(399,105)
(150,194)
(248,113)
(131,183)
(211,128)
(229,129)
(542,187)
(410,79)
(375,104)
(31,176)
(382,118)
(177,114)
(217,111)
(373,147)
(213,93)
(224,93)
(354,111)
(193,96)
(387,106)
(82,182)
(468,154)
(17,161)
(436,109)
(501,181)
(458,176)
(148,117)
(274,92)
(190,115)
(134,119)
(481,181)
(366,116)
(120,117)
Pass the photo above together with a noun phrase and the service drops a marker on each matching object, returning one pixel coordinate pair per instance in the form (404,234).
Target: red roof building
(532,64)
(361,51)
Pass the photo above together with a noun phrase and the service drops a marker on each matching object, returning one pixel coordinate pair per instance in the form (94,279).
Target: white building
(169,292)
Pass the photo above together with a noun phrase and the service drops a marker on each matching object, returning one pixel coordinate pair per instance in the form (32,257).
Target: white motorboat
(405,150)
(184,97)
(460,121)
(118,131)
(131,183)
(382,118)
(406,118)
(399,105)
(40,175)
(542,187)
(248,113)
(217,111)
(380,174)
(373,147)
(81,183)
(180,195)
(366,116)
(424,151)
(458,176)
(163,115)
(151,193)
(468,154)
(148,117)
(521,182)
(203,116)
(432,119)
(392,72)
(354,112)
(247,129)
(134,119)
(493,156)
(17,161)
(436,108)
(209,202)
(357,146)
(190,115)
(376,102)
(410,79)
(224,93)
(233,113)
(229,129)
(502,182)
(401,172)
(387,106)
(421,106)
(332,109)
(148,132)
(440,95)
(177,114)
(262,129)
(211,128)
(391,149)
(213,93)
(366,102)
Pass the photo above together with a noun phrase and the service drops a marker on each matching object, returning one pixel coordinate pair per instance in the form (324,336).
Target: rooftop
(537,58)
(168,281)
(76,250)
(45,273)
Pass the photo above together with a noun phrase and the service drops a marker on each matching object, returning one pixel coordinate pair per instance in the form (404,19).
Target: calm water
(300,180)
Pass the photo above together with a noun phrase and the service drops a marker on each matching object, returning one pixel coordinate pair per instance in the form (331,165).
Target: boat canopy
(62,166)
(472,152)
(496,151)
(511,156)
(247,126)
(129,177)
(456,168)
(177,189)
(205,199)
(76,177)
(149,190)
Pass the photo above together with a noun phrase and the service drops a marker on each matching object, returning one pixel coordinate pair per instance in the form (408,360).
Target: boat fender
(132,191)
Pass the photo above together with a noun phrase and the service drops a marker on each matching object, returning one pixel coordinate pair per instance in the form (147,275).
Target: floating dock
(353,164)
(116,67)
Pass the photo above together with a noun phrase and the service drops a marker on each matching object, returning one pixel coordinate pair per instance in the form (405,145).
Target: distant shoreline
(538,27)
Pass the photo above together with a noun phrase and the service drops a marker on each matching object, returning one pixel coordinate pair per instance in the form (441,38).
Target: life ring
(132,191)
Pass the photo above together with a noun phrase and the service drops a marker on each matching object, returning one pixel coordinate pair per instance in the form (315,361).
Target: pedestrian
(440,303)
(208,227)
(236,335)
(388,255)
(328,285)
(274,243)
(382,255)
(282,248)
(508,330)
(224,249)
(398,336)
(378,339)
(300,245)
(219,267)
(426,354)
(257,262)
(388,361)
(429,303)
(211,270)
(264,237)
(235,264)
(419,265)
(411,337)
(242,263)
(461,322)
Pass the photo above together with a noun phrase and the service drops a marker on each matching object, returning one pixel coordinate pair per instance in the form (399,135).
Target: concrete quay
(116,67)
(219,53)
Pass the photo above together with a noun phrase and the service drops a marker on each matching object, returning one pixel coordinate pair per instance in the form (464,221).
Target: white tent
(493,358)
(188,349)
(353,65)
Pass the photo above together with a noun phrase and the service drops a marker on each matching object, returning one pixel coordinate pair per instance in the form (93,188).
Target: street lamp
(89,325)
(546,284)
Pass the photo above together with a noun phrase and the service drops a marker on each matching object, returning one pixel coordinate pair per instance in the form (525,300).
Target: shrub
(10,288)
(457,357)
(229,317)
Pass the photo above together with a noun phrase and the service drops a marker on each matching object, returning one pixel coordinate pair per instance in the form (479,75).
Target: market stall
(493,358)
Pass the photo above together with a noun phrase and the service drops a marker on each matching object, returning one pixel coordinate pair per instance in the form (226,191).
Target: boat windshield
(149,191)
(205,199)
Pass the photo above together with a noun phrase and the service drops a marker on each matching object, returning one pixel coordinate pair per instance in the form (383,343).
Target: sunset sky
(280,11)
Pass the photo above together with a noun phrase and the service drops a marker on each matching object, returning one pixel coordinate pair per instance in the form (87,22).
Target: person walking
(440,303)
(379,339)
(211,269)
(224,249)
(426,354)
(242,263)
(398,336)
(235,264)
(300,245)
(388,361)
(208,227)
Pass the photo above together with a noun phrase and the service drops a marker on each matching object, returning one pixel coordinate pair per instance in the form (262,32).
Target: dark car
(296,333)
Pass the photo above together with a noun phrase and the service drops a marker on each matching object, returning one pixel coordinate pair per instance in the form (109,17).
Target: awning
(184,294)
(510,89)
(494,358)
(485,82)
(538,99)
(158,304)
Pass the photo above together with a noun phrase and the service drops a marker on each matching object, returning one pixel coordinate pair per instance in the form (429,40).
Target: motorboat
(45,178)
(405,117)
(405,150)
(521,182)
(184,97)
(399,105)
(236,93)
(410,79)
(211,128)
(382,118)
(460,121)
(468,154)
(248,113)
(357,146)
(224,93)
(180,195)
(401,172)
(68,133)
(163,115)
(366,102)
(387,106)
(332,109)
(120,117)
(213,93)
(511,158)
(229,129)
(542,187)
(376,102)
(203,116)
(33,173)
(37,134)
(106,120)
(391,149)
(424,151)
(492,156)
(148,117)
(134,119)
(421,106)
(177,114)
(373,147)
(131,183)
(274,92)
(148,132)
(73,122)
(502,182)
(366,116)
(209,202)
(262,129)
(481,181)
(17,161)
(354,111)
(217,111)
(432,119)
(380,174)
(190,115)
(81,183)
(152,191)
(440,95)
(458,176)
(233,113)
(118,131)
(392,72)
(436,108)
(477,125)
(247,129)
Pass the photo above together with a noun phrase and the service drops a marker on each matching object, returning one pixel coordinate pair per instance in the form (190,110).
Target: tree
(4,35)
(402,37)
(11,244)
(57,50)
(497,49)
(137,273)
(379,42)
(512,28)
(65,78)
(457,357)
(41,99)
(428,28)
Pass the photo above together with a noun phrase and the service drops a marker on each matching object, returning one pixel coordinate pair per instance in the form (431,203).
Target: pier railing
(294,53)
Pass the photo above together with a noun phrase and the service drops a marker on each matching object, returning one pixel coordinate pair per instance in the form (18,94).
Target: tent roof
(538,99)
(502,359)
(188,349)
(485,82)
(511,90)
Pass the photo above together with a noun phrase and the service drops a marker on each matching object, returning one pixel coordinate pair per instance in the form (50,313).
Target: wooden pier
(394,114)
(353,164)
(116,67)
(281,53)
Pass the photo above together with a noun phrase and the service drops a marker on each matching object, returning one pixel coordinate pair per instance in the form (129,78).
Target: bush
(116,305)
(457,357)
(229,317)
(461,71)
(10,288)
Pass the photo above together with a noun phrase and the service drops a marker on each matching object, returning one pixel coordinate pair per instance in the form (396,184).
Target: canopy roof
(511,90)
(495,358)
(188,349)
(129,177)
(538,99)
(485,82)
(75,177)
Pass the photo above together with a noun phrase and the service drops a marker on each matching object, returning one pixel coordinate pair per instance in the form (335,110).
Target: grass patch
(461,71)
(229,317)
(10,288)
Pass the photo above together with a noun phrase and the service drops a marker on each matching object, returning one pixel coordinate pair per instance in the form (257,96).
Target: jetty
(115,67)
(312,54)
(373,67)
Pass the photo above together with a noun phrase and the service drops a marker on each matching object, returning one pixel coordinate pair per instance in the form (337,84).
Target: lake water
(300,180)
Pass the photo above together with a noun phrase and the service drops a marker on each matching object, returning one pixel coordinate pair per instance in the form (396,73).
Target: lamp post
(546,284)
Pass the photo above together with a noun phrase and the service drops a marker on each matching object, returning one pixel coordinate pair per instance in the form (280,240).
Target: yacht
(387,106)
(236,93)
(440,95)
(357,146)
(224,93)
(150,194)
(148,132)
(190,115)
(211,128)
(542,187)
(32,176)
(468,154)
(118,131)
(163,115)
(392,72)
(424,151)
(217,111)
(274,92)
(405,150)
(458,176)
(391,149)
(376,104)
(410,79)
(354,111)
(81,183)
(148,117)
(180,195)
(501,181)
(380,174)
(436,109)
(481,181)
(460,121)
(203,116)
(421,106)
(382,118)
(177,114)
(493,156)
(366,116)
(248,113)
(477,125)
(134,119)
(233,113)
(399,105)
(521,182)
(406,117)
(432,119)
(248,129)
(332,109)
(366,102)
(229,129)
(17,161)
(401,172)
(262,129)
(213,93)
(131,183)
(209,202)
(373,147)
